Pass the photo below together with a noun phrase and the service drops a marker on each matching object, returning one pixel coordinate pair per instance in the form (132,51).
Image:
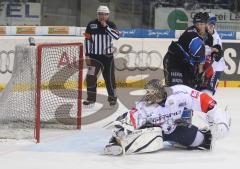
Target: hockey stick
(107,125)
(204,72)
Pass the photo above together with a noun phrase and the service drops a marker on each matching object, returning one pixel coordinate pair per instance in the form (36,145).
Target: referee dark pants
(105,63)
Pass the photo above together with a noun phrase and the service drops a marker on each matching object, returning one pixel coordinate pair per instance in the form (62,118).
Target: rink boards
(136,59)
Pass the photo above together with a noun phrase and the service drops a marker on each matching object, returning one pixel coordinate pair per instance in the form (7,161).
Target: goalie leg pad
(142,141)
(139,141)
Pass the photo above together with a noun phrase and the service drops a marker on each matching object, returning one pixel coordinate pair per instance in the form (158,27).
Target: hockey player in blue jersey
(186,57)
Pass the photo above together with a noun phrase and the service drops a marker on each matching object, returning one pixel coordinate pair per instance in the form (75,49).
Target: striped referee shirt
(98,39)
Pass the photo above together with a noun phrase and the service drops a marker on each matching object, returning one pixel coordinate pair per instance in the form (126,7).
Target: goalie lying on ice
(164,114)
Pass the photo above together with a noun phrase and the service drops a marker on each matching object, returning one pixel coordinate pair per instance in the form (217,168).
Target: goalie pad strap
(144,146)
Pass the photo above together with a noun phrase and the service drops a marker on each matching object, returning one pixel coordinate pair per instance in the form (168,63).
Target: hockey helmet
(201,17)
(212,19)
(103,9)
(155,92)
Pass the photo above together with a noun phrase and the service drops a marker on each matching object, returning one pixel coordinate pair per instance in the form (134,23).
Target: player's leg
(189,77)
(109,77)
(167,69)
(190,137)
(211,83)
(138,141)
(133,135)
(122,126)
(172,70)
(91,80)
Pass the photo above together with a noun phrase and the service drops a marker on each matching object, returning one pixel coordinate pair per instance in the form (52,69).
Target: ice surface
(82,149)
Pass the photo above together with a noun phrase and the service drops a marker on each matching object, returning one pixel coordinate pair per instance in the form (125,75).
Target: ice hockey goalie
(164,114)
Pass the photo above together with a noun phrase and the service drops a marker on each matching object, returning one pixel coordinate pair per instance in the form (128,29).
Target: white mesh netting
(59,90)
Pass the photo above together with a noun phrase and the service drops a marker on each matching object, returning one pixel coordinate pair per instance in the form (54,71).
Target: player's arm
(216,39)
(208,50)
(202,58)
(112,30)
(88,43)
(88,40)
(141,116)
(218,119)
(208,44)
(217,50)
(197,50)
(133,119)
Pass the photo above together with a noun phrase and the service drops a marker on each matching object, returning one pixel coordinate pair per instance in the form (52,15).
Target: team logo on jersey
(93,26)
(195,94)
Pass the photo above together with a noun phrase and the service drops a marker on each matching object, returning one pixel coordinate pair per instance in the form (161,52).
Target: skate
(113,149)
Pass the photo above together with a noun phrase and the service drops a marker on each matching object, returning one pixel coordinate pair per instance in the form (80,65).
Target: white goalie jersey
(166,115)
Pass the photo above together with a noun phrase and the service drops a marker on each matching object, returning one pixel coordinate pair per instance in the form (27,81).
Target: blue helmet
(212,19)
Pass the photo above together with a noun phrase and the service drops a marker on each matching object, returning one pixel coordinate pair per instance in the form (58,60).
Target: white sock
(198,139)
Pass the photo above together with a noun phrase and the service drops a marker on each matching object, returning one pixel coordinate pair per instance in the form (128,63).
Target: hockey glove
(217,55)
(199,80)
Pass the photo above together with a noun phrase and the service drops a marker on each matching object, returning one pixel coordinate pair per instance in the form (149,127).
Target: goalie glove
(186,118)
(219,122)
(123,125)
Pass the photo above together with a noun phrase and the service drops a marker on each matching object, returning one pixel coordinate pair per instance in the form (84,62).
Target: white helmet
(103,9)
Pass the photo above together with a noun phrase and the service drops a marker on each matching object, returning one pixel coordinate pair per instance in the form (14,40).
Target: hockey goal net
(45,90)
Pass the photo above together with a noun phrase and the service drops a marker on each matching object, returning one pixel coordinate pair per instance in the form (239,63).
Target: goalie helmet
(155,92)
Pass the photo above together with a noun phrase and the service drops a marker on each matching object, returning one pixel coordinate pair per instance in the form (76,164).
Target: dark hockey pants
(106,65)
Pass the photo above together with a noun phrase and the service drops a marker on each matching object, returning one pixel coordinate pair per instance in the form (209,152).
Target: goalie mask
(155,92)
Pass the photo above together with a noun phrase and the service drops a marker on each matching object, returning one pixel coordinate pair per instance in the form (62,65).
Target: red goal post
(79,61)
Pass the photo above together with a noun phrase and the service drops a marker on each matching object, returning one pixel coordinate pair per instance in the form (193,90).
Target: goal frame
(40,47)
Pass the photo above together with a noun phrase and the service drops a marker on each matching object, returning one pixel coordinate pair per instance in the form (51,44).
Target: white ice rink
(82,149)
